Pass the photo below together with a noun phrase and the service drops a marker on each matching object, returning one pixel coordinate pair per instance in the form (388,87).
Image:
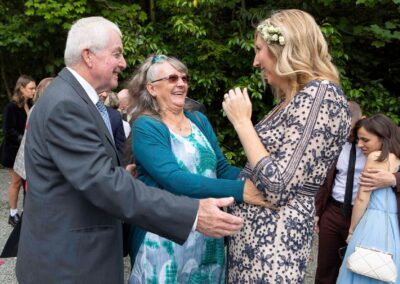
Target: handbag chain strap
(386,221)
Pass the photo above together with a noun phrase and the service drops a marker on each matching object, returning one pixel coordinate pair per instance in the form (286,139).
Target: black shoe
(14,220)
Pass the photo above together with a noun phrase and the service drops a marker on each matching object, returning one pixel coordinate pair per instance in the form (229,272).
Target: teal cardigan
(157,167)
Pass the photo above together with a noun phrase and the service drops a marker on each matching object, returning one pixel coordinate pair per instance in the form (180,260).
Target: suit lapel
(79,90)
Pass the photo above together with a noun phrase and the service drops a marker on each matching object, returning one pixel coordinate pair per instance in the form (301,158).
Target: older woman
(289,151)
(178,151)
(14,119)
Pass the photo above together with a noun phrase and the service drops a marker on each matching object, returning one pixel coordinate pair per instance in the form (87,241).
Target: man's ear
(87,57)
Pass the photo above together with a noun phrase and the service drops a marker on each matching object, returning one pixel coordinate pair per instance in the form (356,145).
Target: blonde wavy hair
(304,55)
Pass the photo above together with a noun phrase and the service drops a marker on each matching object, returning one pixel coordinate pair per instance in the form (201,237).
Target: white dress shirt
(339,184)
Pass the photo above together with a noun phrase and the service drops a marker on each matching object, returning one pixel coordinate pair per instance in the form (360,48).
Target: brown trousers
(333,231)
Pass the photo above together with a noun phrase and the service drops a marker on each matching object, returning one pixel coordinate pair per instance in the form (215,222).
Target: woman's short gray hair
(87,33)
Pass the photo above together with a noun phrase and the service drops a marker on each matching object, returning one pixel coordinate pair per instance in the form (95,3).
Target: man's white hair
(87,33)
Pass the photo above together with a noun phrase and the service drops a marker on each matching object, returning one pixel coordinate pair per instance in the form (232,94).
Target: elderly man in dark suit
(78,193)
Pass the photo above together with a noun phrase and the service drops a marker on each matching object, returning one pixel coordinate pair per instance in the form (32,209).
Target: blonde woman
(289,151)
(14,119)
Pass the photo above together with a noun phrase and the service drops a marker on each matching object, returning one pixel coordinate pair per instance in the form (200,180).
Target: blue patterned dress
(303,139)
(200,259)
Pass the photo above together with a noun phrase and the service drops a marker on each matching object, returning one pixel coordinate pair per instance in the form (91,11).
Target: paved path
(7,270)
(7,274)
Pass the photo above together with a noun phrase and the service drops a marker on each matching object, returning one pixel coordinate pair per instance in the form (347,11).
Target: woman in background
(19,164)
(14,120)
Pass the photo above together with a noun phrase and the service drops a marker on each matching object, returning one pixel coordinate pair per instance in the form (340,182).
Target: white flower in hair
(281,40)
(270,33)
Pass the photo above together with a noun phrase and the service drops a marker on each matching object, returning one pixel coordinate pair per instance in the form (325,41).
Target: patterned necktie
(103,111)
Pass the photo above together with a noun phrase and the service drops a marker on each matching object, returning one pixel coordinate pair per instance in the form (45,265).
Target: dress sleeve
(151,145)
(311,134)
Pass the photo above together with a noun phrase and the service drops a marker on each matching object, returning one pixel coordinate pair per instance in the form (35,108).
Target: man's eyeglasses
(173,79)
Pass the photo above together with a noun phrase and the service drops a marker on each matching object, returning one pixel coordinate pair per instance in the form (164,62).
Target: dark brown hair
(383,127)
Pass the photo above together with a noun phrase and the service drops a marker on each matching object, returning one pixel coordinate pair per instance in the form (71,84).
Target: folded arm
(364,192)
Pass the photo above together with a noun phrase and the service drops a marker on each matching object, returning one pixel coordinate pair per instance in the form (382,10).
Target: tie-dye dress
(200,259)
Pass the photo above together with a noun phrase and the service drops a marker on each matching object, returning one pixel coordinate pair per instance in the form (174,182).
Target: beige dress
(303,139)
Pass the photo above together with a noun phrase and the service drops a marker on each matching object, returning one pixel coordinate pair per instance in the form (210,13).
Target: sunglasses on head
(173,79)
(158,58)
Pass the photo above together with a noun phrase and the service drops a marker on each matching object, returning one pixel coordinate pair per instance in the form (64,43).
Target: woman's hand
(349,237)
(253,196)
(237,106)
(316,224)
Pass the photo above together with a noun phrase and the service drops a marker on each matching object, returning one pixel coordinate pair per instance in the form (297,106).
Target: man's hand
(252,195)
(214,222)
(376,178)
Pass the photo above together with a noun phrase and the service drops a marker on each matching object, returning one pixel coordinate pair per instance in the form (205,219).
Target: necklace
(182,127)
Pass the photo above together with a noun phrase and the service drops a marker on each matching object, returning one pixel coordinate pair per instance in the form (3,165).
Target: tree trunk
(152,11)
(4,77)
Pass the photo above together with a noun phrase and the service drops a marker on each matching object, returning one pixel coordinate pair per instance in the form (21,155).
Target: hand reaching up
(237,106)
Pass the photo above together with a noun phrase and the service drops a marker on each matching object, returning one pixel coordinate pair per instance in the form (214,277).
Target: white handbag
(372,262)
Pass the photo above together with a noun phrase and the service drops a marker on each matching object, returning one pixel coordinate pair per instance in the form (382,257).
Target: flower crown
(270,33)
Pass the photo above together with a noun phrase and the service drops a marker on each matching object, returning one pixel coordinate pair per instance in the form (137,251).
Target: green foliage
(215,40)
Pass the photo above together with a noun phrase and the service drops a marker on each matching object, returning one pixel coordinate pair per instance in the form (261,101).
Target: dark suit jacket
(78,195)
(117,129)
(321,199)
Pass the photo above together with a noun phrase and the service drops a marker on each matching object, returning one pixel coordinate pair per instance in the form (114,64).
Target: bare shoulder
(392,163)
